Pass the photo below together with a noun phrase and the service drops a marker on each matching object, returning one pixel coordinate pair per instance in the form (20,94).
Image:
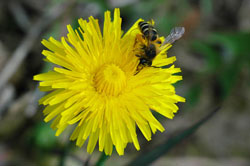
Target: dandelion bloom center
(110,80)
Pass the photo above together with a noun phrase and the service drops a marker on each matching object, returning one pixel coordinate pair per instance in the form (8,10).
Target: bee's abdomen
(148,31)
(153,35)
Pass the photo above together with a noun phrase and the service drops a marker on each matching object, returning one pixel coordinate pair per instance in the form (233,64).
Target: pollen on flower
(110,80)
(96,88)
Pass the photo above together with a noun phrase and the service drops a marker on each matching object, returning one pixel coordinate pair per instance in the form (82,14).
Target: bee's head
(145,62)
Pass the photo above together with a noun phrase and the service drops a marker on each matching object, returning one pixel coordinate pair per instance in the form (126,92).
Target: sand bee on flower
(150,44)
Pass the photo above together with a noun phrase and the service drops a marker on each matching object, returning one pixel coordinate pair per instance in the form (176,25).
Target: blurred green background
(211,129)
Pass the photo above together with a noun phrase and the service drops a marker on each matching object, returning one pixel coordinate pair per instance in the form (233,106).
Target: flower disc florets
(110,80)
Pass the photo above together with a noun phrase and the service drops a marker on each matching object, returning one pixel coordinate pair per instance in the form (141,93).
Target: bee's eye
(158,42)
(143,61)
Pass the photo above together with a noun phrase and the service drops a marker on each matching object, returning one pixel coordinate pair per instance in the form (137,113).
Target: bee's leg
(136,72)
(139,68)
(156,67)
(137,42)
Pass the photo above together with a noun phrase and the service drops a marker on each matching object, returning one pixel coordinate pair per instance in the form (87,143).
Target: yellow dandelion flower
(97,89)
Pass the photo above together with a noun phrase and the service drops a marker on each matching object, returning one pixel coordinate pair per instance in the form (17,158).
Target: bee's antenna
(175,34)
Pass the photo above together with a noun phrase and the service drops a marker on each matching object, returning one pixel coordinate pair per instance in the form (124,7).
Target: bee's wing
(175,34)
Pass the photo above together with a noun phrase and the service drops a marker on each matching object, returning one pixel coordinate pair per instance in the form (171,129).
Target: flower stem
(102,160)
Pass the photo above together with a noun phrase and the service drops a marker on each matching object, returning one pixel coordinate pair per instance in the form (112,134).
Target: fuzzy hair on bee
(150,44)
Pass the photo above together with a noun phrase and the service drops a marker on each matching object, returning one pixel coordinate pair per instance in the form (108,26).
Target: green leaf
(235,43)
(213,58)
(44,136)
(149,157)
(193,94)
(229,76)
(235,53)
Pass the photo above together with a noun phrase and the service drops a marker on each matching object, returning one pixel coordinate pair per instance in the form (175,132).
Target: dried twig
(19,15)
(32,36)
(4,53)
(6,97)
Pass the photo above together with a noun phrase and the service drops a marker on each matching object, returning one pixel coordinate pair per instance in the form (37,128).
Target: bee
(151,44)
